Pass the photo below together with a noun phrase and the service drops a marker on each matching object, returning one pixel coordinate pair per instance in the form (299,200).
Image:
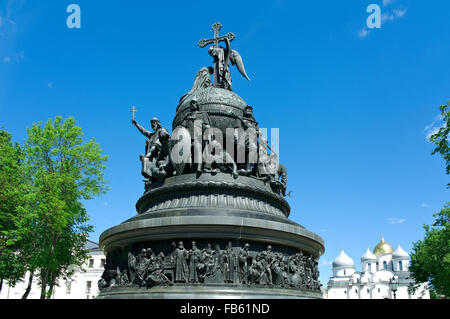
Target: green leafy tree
(12,191)
(430,260)
(440,138)
(64,172)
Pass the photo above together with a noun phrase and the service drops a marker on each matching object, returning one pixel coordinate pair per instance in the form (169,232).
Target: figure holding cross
(133,110)
(156,157)
(223,57)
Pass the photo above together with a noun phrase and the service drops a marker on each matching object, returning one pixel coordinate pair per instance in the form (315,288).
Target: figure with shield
(196,122)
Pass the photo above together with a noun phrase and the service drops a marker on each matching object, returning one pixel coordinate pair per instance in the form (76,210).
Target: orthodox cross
(133,110)
(216,28)
(204,42)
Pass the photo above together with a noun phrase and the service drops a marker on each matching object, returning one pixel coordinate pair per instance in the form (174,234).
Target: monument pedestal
(226,214)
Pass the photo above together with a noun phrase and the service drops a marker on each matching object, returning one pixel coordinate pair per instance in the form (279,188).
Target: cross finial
(216,28)
(133,110)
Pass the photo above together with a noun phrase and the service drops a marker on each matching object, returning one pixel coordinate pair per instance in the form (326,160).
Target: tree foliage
(64,171)
(12,189)
(440,138)
(42,188)
(430,260)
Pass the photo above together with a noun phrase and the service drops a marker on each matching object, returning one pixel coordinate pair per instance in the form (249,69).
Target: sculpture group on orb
(197,147)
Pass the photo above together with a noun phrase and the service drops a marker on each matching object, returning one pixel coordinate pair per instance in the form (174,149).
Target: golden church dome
(383,248)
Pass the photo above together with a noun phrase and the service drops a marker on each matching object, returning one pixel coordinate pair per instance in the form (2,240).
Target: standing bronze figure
(156,156)
(223,57)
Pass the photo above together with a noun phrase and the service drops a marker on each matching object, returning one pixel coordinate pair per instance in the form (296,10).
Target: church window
(102,262)
(91,263)
(385,265)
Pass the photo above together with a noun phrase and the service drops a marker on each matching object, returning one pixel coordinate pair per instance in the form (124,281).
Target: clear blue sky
(353,105)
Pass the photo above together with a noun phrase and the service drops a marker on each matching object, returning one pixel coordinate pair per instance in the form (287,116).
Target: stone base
(207,292)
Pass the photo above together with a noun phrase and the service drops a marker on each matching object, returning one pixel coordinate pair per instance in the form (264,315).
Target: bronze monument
(213,220)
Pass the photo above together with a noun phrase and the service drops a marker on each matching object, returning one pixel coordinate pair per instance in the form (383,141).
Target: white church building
(81,285)
(384,274)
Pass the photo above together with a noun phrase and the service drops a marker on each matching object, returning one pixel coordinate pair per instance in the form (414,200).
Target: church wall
(337,293)
(381,291)
(369,266)
(383,275)
(405,264)
(353,293)
(365,267)
(382,259)
(341,272)
(365,293)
